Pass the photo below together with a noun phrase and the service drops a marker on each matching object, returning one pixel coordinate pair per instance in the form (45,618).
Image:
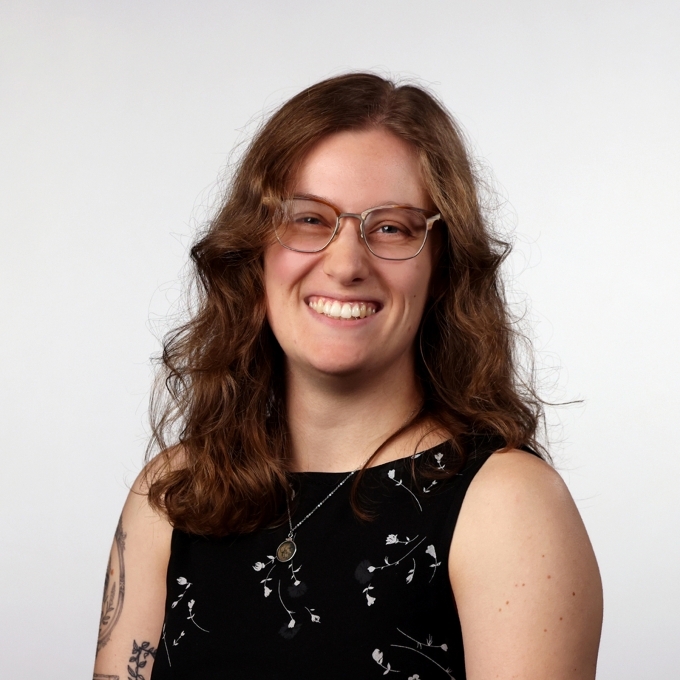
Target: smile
(342,310)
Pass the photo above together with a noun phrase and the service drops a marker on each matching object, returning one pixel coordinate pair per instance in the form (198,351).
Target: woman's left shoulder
(517,500)
(511,474)
(524,574)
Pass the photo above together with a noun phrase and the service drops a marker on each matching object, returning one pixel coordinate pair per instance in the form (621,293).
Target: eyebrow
(394,204)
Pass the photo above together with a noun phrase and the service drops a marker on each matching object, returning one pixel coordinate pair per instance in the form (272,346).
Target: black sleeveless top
(358,600)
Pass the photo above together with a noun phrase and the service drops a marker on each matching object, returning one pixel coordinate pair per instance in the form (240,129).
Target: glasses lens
(305,225)
(395,233)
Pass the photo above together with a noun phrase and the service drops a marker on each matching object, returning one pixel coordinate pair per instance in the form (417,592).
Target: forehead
(356,170)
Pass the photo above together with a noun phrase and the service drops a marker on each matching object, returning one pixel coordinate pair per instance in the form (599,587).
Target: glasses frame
(431,216)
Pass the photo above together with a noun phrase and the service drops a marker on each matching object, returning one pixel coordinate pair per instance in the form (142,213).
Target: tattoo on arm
(140,654)
(114,591)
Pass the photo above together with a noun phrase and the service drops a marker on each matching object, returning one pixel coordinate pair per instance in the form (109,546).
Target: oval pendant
(286,550)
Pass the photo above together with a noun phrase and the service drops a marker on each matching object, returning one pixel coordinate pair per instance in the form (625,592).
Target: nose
(346,257)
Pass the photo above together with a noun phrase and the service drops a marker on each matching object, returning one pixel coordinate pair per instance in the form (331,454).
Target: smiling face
(310,295)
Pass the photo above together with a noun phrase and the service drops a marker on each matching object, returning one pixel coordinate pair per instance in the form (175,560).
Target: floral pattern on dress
(182,581)
(380,659)
(366,570)
(296,589)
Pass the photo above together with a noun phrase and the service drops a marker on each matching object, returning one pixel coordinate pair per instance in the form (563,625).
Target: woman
(344,397)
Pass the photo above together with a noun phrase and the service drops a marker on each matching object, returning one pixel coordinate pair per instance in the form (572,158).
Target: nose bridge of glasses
(355,216)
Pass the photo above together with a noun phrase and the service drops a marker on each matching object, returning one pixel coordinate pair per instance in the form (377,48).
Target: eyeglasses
(391,232)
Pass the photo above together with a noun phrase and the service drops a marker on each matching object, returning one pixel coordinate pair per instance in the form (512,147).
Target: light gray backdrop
(116,121)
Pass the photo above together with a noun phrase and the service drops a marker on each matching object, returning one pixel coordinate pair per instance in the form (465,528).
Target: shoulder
(523,571)
(147,529)
(515,501)
(516,478)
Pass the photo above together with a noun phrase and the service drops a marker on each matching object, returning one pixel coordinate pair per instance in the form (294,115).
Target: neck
(337,422)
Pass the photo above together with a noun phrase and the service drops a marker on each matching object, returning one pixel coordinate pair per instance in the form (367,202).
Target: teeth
(346,310)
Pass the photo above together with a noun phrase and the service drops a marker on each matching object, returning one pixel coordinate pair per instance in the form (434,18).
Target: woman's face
(354,171)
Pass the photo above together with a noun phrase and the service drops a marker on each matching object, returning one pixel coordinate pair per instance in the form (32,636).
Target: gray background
(116,120)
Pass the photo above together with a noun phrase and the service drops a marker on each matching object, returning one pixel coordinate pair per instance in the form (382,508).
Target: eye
(389,229)
(311,220)
(307,219)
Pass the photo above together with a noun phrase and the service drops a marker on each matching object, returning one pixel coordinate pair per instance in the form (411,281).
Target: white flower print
(427,643)
(290,612)
(414,677)
(431,552)
(419,646)
(183,582)
(427,489)
(393,539)
(293,573)
(403,557)
(365,570)
(315,617)
(259,566)
(296,589)
(190,604)
(378,658)
(392,475)
(409,576)
(438,457)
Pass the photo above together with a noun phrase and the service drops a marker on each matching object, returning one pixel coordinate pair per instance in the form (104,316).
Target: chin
(339,368)
(339,363)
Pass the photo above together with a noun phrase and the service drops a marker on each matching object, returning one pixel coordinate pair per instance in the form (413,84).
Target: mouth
(336,309)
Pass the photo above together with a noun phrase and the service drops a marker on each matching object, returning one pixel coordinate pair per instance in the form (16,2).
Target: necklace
(287,548)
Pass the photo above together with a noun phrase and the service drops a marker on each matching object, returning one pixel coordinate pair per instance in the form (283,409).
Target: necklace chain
(287,548)
(293,529)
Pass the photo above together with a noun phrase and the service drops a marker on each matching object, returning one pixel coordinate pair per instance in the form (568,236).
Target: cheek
(416,285)
(284,271)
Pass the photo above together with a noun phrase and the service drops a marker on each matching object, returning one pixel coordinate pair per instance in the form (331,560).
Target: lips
(345,309)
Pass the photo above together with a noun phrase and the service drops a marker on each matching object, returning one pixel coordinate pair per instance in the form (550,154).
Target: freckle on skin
(548,575)
(545,630)
(573,593)
(560,618)
(507,602)
(523,585)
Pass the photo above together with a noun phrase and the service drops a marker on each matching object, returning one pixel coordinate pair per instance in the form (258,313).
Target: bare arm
(524,576)
(134,592)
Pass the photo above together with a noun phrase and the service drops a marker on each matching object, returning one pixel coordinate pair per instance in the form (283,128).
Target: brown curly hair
(219,399)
